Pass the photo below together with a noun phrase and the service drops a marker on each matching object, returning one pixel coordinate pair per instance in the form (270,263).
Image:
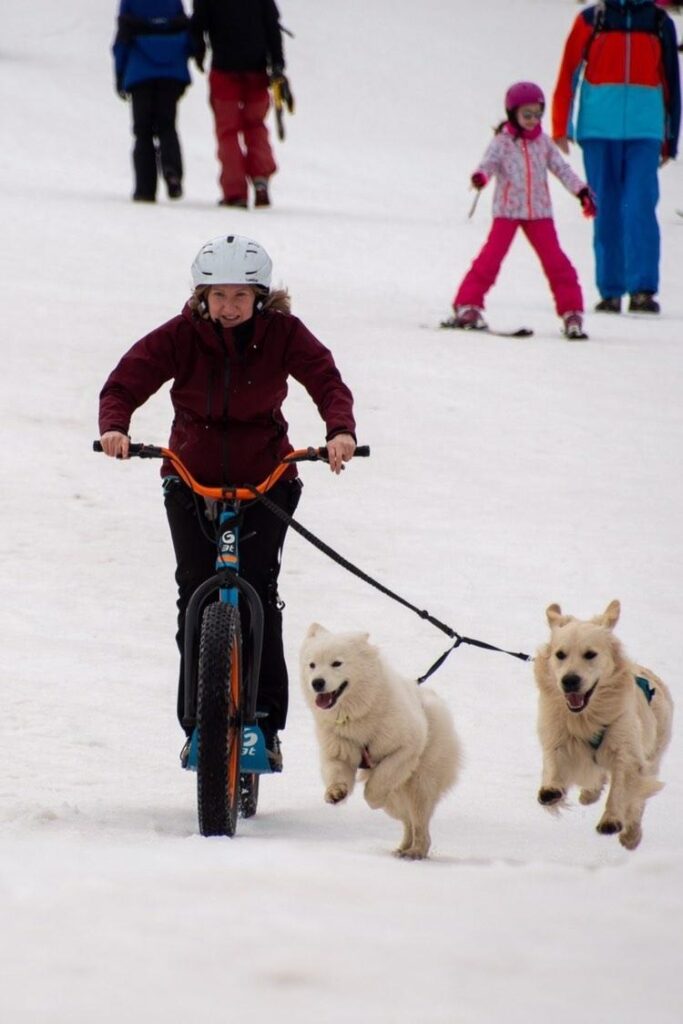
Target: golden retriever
(601,719)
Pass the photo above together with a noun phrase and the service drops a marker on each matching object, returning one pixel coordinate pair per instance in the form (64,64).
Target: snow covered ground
(504,475)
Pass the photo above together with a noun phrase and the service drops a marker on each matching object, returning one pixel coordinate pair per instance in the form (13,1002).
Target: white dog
(369,718)
(601,718)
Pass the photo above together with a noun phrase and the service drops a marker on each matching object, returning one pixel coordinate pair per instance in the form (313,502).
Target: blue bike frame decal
(253,757)
(228,551)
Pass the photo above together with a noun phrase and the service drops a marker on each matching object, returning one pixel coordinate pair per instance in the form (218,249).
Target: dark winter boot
(261,197)
(272,742)
(643,302)
(174,187)
(611,305)
(237,201)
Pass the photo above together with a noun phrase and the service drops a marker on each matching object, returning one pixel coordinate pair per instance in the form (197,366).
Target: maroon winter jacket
(228,426)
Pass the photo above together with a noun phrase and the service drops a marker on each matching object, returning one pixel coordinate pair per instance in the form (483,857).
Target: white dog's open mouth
(328,700)
(578,701)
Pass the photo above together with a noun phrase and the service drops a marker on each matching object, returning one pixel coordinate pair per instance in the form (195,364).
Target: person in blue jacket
(151,51)
(620,69)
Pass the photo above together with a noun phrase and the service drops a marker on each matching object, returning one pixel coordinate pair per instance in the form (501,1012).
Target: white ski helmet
(232,259)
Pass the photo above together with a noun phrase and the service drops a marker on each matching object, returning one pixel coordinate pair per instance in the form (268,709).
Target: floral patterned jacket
(520,165)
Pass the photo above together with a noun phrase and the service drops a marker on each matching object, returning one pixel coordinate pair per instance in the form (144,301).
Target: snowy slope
(504,475)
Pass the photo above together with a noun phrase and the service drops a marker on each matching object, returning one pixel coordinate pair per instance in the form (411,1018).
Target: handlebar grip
(144,451)
(360,451)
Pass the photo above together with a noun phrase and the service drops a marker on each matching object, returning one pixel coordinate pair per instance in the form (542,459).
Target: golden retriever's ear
(553,614)
(610,616)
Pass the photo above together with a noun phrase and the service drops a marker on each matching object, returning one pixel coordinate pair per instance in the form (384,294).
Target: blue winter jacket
(623,53)
(152,42)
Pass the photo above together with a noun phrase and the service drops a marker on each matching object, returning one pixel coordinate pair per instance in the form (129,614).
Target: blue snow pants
(623,176)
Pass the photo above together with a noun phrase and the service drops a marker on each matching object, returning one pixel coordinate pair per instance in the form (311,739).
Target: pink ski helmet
(521,93)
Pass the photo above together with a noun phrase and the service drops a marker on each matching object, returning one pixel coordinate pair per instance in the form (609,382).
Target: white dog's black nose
(318,684)
(571,682)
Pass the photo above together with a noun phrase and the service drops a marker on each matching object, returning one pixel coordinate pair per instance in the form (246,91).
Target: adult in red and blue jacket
(621,56)
(151,51)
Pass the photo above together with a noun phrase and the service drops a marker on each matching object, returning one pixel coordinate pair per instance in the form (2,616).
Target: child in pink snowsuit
(520,157)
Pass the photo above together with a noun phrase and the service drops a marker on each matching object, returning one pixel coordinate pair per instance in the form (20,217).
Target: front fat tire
(219,720)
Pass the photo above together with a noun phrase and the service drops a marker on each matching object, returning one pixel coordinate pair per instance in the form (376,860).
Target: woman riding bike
(229,354)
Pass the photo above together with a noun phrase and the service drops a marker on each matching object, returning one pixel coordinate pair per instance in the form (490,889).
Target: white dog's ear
(314,630)
(610,616)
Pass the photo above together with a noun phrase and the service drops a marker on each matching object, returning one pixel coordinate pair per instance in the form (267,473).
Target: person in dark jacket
(229,354)
(151,51)
(246,50)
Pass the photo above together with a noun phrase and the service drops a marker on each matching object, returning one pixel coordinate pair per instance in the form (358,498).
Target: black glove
(120,91)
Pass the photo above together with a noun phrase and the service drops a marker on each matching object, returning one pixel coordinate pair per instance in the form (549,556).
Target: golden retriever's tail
(650,786)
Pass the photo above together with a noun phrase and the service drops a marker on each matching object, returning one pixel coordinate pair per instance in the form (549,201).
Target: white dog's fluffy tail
(443,759)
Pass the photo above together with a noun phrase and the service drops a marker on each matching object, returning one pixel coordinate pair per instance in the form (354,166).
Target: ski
(518,332)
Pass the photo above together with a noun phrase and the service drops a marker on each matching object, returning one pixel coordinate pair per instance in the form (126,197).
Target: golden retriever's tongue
(325,700)
(575,701)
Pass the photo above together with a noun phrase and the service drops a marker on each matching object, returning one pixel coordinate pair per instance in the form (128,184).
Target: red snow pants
(240,102)
(559,270)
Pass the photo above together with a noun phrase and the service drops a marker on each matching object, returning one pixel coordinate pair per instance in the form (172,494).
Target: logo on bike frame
(228,546)
(249,743)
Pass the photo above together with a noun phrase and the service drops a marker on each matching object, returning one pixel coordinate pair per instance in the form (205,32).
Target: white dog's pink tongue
(325,700)
(575,700)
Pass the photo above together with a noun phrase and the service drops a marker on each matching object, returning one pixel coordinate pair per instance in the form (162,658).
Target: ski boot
(573,327)
(467,318)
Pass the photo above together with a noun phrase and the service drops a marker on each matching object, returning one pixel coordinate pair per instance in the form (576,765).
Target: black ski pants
(156,140)
(262,536)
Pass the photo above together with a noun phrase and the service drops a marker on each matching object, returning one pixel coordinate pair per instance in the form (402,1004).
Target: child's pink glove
(478,180)
(587,200)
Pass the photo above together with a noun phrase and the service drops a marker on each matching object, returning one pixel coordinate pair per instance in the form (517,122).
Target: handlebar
(151,451)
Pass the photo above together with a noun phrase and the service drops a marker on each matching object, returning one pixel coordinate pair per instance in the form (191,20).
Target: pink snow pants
(240,103)
(557,267)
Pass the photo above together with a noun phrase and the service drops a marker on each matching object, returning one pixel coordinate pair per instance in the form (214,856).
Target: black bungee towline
(423,613)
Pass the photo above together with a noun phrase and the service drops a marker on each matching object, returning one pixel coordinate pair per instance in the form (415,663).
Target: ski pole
(474,204)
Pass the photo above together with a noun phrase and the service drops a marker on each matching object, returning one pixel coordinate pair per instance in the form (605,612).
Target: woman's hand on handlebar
(115,443)
(339,450)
